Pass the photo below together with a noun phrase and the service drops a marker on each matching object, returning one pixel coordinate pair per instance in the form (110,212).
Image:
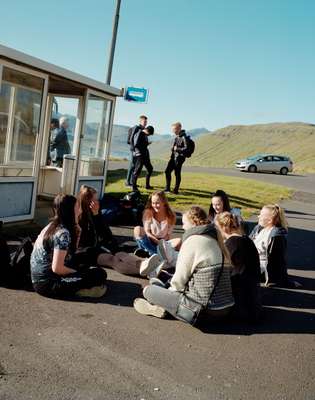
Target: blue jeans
(146,244)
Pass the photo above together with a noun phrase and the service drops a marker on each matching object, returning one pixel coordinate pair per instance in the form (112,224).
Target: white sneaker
(149,264)
(155,273)
(145,308)
(167,252)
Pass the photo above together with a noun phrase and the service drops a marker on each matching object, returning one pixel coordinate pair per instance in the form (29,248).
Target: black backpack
(17,274)
(190,147)
(131,132)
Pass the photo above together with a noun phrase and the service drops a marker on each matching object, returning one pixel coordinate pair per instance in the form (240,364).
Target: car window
(277,158)
(268,158)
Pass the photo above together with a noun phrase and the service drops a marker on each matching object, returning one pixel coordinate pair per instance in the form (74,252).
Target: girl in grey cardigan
(201,280)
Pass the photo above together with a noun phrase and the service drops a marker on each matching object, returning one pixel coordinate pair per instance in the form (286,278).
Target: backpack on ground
(110,209)
(20,266)
(190,147)
(133,207)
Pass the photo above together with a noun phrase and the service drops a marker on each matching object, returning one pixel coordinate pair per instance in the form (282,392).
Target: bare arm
(147,230)
(58,266)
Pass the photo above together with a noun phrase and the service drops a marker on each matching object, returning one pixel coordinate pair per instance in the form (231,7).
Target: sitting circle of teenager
(214,271)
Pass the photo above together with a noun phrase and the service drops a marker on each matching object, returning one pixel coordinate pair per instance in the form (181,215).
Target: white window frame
(38,143)
(108,133)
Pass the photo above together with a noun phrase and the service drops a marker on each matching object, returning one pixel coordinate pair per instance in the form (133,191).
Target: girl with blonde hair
(158,223)
(201,280)
(270,238)
(246,266)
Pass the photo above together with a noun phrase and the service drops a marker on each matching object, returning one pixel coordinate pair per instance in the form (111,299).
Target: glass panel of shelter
(20,104)
(62,129)
(95,136)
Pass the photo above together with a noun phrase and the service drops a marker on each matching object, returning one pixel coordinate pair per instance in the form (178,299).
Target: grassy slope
(198,188)
(225,146)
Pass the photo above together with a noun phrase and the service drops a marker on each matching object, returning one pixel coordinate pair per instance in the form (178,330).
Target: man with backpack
(183,147)
(143,121)
(141,156)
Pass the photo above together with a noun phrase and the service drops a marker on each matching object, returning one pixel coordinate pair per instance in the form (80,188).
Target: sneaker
(141,253)
(167,190)
(156,272)
(149,264)
(157,282)
(145,308)
(167,252)
(96,292)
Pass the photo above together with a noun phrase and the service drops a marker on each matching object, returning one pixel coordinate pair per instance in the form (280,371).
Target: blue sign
(138,95)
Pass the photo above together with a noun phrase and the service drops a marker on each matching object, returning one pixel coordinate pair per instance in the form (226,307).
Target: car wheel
(284,171)
(252,168)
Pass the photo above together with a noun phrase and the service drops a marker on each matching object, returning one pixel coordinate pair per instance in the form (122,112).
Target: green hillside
(223,147)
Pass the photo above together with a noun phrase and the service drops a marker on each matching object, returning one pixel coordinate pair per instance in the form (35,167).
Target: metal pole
(113,43)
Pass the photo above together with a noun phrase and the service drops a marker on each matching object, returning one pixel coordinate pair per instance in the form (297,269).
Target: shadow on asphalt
(119,293)
(274,321)
(301,249)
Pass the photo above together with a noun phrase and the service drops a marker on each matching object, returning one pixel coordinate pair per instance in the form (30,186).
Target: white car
(266,163)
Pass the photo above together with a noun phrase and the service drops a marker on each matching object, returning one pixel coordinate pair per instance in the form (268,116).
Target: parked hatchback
(266,163)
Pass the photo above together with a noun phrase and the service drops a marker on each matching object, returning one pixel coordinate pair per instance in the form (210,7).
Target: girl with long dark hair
(53,270)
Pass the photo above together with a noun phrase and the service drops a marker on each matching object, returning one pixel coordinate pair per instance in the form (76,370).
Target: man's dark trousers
(174,164)
(139,162)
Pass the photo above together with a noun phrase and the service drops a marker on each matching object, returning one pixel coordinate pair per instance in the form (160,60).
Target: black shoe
(149,187)
(167,190)
(175,191)
(141,253)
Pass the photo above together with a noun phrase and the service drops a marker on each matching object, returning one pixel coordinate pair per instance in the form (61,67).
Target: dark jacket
(61,144)
(245,277)
(140,144)
(131,133)
(96,233)
(180,142)
(277,260)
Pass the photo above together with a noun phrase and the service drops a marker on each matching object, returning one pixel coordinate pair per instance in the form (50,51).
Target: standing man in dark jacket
(143,121)
(60,143)
(141,156)
(177,159)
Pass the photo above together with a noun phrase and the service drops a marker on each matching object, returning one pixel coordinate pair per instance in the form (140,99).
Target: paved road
(78,350)
(303,182)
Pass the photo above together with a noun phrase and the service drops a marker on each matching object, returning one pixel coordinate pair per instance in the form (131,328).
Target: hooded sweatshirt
(198,268)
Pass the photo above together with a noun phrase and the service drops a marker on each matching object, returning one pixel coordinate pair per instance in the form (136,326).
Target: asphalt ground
(103,349)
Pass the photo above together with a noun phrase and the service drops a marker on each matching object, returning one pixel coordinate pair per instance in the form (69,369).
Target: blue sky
(207,63)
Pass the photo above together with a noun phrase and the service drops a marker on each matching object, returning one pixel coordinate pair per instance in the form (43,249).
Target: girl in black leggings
(54,270)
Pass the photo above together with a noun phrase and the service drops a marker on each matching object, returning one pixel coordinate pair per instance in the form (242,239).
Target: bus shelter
(40,104)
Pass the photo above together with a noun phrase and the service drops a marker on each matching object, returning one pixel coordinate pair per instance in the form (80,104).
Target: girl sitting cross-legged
(270,238)
(246,267)
(53,270)
(202,277)
(97,241)
(158,223)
